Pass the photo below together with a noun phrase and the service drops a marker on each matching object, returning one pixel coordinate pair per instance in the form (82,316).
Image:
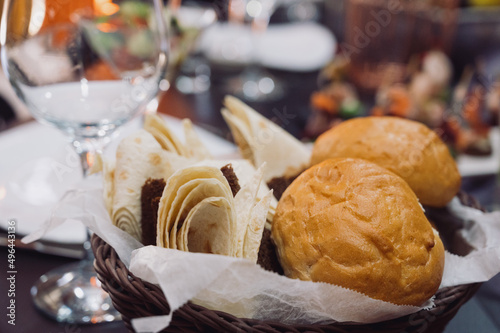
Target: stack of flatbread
(197,211)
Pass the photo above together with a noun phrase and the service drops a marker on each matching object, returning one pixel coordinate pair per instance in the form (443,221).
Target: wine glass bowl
(85,67)
(91,74)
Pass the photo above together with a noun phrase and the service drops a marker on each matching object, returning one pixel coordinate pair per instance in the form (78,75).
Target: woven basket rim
(134,298)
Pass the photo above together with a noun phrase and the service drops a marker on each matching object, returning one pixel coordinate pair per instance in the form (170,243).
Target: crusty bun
(406,147)
(352,223)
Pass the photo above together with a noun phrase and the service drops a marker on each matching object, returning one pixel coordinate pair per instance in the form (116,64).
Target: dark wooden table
(30,266)
(479,315)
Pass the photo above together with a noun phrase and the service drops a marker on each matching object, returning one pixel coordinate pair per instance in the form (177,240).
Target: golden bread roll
(406,147)
(352,223)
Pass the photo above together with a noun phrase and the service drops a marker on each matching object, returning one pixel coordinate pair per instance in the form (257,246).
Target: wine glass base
(73,294)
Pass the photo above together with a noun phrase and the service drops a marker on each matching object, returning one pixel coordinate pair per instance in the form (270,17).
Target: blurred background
(310,64)
(335,59)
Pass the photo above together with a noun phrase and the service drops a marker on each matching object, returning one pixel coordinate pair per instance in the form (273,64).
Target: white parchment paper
(246,290)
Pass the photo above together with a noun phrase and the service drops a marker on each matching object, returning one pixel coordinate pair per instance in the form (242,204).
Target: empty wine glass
(254,83)
(85,67)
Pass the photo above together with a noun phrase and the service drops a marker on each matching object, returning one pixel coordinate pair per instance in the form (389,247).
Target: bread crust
(405,147)
(352,223)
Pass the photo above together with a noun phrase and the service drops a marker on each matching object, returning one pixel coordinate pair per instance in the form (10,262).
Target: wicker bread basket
(135,298)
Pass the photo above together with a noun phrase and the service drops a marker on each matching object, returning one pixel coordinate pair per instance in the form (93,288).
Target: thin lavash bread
(197,213)
(262,141)
(408,148)
(193,147)
(138,157)
(352,223)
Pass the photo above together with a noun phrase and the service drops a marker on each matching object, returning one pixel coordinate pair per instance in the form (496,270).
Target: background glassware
(254,83)
(85,67)
(188,22)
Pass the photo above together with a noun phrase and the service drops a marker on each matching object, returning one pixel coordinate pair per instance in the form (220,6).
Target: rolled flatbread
(162,133)
(178,187)
(245,172)
(193,148)
(208,228)
(197,213)
(138,157)
(198,190)
(262,141)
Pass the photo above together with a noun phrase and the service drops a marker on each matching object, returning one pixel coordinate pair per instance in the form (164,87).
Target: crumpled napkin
(85,204)
(246,290)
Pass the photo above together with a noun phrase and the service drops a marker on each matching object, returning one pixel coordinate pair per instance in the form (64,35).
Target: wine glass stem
(86,150)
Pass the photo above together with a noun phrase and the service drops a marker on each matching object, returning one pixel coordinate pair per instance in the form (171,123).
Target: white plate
(478,165)
(299,47)
(38,166)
